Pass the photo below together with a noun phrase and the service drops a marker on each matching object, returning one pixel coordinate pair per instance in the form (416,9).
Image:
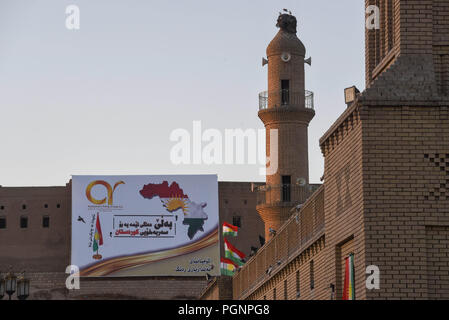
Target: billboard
(145,225)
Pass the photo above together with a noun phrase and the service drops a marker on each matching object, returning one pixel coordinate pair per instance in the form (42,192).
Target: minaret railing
(285,98)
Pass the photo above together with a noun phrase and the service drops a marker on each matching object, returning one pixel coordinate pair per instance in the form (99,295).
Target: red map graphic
(173,198)
(162,190)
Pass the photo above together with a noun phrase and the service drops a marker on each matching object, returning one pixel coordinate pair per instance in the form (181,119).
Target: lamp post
(2,287)
(23,287)
(10,284)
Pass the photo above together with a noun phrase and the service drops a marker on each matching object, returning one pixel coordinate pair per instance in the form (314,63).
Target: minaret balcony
(284,195)
(285,98)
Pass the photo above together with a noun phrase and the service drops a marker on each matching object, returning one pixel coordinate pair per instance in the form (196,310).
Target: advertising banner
(145,225)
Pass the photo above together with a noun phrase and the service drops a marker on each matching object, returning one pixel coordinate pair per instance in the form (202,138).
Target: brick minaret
(287,108)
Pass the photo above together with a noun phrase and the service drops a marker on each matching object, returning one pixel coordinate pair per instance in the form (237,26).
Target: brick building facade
(385,196)
(35,236)
(385,193)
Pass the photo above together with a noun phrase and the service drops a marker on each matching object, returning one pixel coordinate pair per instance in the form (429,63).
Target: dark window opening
(285,92)
(237,221)
(2,207)
(23,222)
(45,206)
(298,291)
(285,290)
(46,222)
(312,276)
(24,206)
(2,223)
(286,188)
(58,206)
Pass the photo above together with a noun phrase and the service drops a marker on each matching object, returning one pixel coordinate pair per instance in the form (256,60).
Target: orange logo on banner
(108,188)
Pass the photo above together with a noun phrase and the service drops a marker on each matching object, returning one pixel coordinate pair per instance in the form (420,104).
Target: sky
(104,99)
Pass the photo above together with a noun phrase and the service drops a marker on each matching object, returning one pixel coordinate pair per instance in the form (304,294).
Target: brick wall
(406,188)
(218,289)
(298,242)
(437,249)
(45,252)
(51,286)
(441,44)
(237,200)
(35,248)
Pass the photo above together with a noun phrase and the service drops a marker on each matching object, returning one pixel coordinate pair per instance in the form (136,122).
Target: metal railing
(297,234)
(285,194)
(285,98)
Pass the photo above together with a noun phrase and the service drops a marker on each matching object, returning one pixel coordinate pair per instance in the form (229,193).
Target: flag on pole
(349,287)
(227,267)
(233,254)
(98,239)
(229,230)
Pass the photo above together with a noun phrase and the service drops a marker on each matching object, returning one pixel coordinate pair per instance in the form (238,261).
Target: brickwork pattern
(51,286)
(404,160)
(343,202)
(299,241)
(437,247)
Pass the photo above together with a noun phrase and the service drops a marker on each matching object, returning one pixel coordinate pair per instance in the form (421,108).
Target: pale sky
(104,99)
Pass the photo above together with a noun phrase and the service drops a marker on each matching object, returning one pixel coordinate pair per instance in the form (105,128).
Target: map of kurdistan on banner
(173,199)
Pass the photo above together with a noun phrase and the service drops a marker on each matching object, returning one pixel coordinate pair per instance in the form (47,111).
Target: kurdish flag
(227,267)
(98,238)
(233,254)
(349,287)
(229,230)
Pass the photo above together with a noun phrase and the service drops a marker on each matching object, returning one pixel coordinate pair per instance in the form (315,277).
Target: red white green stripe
(227,267)
(233,254)
(349,287)
(229,230)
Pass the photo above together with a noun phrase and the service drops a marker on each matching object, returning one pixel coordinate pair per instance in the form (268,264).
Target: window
(2,223)
(274,294)
(285,95)
(298,291)
(312,276)
(285,290)
(45,222)
(2,207)
(24,207)
(45,206)
(237,221)
(245,202)
(23,222)
(286,188)
(58,206)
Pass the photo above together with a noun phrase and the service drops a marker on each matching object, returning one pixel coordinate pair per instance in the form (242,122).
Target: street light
(2,287)
(10,284)
(23,287)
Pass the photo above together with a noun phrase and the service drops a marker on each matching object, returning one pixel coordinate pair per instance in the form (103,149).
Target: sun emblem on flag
(174,204)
